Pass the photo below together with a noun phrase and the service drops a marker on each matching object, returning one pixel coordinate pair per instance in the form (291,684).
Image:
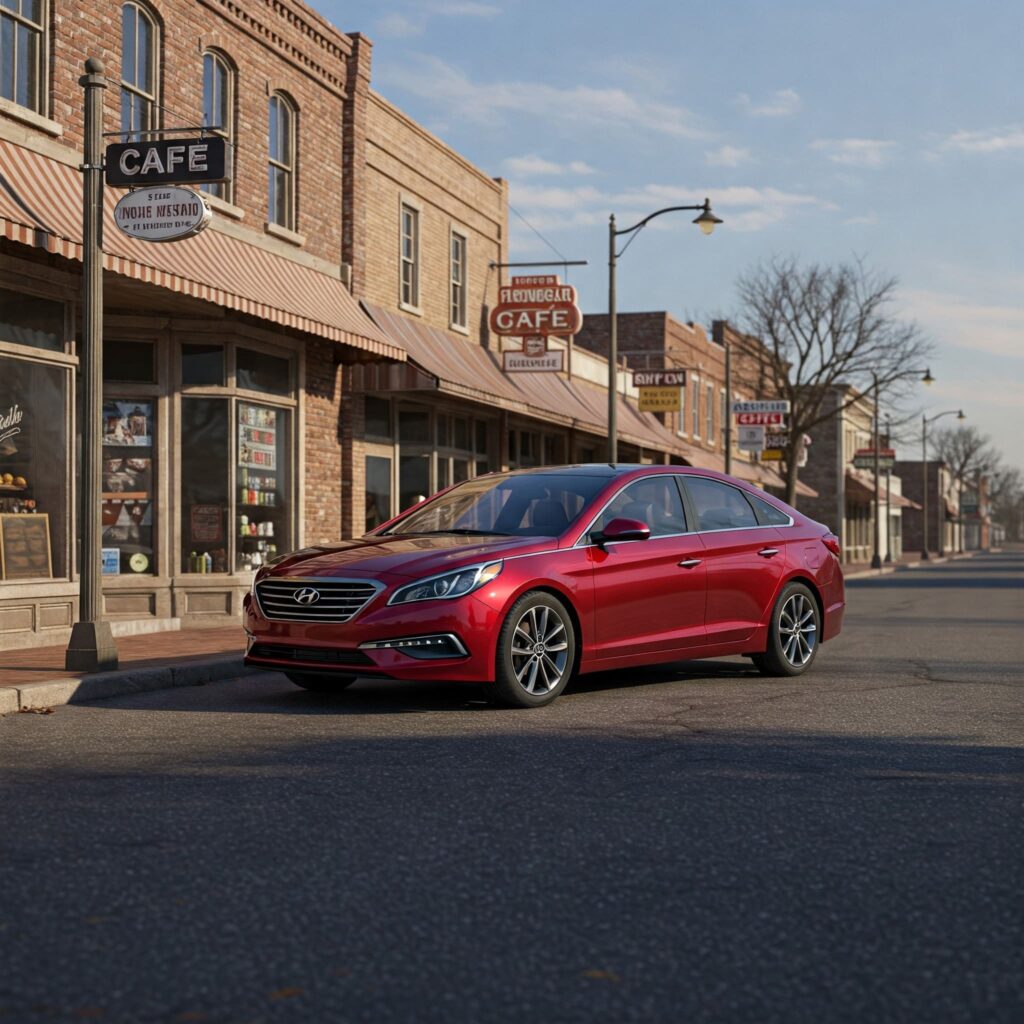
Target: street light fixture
(706,221)
(925,420)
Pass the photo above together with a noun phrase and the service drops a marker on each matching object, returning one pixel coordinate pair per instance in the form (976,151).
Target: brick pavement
(148,650)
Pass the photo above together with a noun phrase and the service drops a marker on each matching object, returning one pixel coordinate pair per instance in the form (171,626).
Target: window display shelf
(11,489)
(126,495)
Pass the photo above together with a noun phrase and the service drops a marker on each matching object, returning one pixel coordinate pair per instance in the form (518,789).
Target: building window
(218,111)
(695,411)
(281,167)
(22,60)
(139,39)
(410,256)
(458,277)
(681,422)
(709,415)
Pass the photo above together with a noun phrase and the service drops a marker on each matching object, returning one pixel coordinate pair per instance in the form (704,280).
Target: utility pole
(91,647)
(876,558)
(613,348)
(728,405)
(888,493)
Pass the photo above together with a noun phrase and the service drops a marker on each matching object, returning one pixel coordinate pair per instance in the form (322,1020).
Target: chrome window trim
(583,542)
(376,584)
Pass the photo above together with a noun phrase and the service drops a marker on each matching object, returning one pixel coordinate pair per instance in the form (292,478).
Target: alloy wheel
(798,630)
(540,650)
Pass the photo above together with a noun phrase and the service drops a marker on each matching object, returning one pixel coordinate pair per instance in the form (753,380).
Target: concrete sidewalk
(908,561)
(35,677)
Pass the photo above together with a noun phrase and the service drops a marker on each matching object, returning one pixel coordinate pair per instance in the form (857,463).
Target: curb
(864,574)
(54,692)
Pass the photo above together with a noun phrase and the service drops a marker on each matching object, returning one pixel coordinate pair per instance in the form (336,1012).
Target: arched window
(219,110)
(22,52)
(140,40)
(281,165)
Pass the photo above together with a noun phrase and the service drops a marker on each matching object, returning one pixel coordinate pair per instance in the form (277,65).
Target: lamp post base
(924,556)
(91,648)
(876,561)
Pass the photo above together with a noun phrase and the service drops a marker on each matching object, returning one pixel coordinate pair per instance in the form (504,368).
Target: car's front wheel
(320,683)
(536,652)
(793,633)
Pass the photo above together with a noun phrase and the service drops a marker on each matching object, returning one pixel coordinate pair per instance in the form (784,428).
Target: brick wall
(273,45)
(405,161)
(322,448)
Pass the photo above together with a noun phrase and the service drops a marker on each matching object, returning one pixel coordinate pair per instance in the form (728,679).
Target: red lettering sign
(758,419)
(539,305)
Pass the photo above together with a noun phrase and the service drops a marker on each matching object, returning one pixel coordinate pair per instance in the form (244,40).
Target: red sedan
(518,581)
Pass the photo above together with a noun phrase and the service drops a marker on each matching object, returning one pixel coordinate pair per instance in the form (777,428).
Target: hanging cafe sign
(534,308)
(660,390)
(161,207)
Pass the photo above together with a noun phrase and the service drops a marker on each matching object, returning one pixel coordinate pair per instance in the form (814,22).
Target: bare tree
(1006,494)
(965,450)
(820,327)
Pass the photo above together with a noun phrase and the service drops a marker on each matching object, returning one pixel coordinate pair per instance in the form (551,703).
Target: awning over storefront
(862,486)
(468,370)
(41,206)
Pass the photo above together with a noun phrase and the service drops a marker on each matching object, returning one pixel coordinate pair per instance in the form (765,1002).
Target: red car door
(648,594)
(745,560)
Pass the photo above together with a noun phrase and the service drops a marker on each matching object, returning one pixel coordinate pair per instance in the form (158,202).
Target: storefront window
(413,480)
(258,371)
(202,365)
(33,469)
(27,320)
(263,505)
(129,361)
(204,484)
(378,490)
(414,426)
(128,446)
(377,412)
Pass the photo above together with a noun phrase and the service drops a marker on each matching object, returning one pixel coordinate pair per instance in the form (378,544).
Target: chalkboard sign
(25,547)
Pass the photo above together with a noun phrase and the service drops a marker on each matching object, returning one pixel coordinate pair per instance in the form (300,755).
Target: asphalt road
(688,844)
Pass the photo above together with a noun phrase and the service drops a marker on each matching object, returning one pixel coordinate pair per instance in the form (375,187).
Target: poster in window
(127,423)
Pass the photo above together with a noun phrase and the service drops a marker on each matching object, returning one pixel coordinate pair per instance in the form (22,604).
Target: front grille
(314,655)
(338,600)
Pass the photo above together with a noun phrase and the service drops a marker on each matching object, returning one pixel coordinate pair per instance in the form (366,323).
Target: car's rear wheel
(536,652)
(320,683)
(793,633)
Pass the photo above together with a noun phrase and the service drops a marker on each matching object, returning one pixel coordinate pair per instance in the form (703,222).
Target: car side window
(719,506)
(654,501)
(768,514)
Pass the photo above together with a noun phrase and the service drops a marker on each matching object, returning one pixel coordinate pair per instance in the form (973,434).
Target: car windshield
(531,505)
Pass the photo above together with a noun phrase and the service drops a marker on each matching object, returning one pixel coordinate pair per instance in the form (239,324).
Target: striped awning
(41,206)
(463,368)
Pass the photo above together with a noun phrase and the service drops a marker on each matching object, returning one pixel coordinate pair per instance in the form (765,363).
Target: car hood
(407,556)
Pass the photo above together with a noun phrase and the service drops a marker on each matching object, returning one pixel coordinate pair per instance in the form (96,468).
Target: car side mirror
(621,529)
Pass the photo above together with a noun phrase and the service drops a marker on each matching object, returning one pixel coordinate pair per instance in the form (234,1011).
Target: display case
(128,447)
(262,484)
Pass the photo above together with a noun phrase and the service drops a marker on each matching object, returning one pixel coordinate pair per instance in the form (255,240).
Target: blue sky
(828,130)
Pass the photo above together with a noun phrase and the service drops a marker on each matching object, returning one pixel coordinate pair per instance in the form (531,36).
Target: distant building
(945,523)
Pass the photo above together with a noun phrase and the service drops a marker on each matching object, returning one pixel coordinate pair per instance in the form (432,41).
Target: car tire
(320,683)
(794,634)
(536,654)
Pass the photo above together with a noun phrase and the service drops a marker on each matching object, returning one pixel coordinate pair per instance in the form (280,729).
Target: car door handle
(768,552)
(690,563)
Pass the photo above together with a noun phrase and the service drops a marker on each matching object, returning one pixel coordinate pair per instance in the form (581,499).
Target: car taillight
(831,541)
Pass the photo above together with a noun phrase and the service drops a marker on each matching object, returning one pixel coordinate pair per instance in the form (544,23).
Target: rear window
(719,506)
(767,513)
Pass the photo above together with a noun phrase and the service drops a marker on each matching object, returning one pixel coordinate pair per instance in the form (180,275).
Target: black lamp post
(706,221)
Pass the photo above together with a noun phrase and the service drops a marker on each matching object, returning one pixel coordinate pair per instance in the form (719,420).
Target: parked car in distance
(518,581)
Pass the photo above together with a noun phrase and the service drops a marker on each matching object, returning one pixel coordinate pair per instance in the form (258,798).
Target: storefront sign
(520,362)
(762,419)
(25,547)
(661,399)
(864,458)
(772,455)
(111,561)
(165,161)
(659,378)
(750,439)
(162,213)
(535,344)
(540,304)
(205,522)
(9,423)
(780,405)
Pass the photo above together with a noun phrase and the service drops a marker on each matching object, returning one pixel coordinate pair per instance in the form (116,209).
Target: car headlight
(447,586)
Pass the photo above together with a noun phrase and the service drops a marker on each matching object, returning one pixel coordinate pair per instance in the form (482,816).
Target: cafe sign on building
(162,213)
(660,390)
(534,308)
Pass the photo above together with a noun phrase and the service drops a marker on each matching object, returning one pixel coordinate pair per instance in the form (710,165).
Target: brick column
(353,152)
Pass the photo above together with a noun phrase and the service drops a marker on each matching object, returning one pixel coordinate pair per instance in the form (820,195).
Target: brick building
(945,522)
(224,352)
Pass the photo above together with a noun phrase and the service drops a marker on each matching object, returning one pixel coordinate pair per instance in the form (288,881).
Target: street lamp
(925,420)
(706,221)
(876,558)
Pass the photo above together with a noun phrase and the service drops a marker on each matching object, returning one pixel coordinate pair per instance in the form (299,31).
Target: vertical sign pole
(91,647)
(888,493)
(876,557)
(613,349)
(924,491)
(728,408)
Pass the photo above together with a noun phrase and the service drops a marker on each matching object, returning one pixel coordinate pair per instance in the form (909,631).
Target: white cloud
(531,164)
(399,26)
(1000,141)
(727,156)
(866,218)
(782,103)
(486,103)
(995,329)
(464,9)
(855,152)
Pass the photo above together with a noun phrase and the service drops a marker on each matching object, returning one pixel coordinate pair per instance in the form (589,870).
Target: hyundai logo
(307,595)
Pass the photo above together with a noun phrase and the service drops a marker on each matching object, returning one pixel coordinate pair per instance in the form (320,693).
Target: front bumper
(472,622)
